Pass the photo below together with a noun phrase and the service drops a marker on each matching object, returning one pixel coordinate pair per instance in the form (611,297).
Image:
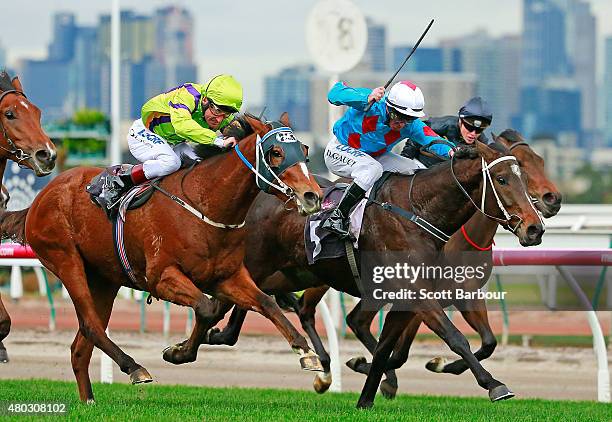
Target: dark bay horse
(174,254)
(475,237)
(23,141)
(480,228)
(275,241)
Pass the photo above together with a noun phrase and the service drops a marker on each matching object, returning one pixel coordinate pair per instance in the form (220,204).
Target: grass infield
(119,402)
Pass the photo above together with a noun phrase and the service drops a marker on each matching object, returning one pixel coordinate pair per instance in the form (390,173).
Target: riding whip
(400,68)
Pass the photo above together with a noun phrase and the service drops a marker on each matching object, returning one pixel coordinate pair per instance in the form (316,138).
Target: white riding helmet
(406,98)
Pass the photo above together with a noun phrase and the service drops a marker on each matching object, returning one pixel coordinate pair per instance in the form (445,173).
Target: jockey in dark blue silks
(473,118)
(362,141)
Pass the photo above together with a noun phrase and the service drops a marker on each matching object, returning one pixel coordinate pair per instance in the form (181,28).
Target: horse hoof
(322,382)
(356,362)
(436,364)
(311,362)
(388,390)
(90,401)
(3,356)
(174,354)
(365,404)
(140,376)
(501,392)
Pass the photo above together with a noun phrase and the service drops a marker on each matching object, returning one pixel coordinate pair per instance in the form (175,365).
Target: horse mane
(5,81)
(512,136)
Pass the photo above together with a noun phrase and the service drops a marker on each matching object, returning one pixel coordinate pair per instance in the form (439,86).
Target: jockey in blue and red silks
(362,141)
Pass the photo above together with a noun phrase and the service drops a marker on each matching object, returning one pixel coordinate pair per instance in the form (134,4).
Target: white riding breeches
(346,161)
(158,157)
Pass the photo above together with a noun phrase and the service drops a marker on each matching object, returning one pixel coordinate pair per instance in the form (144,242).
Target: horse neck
(481,229)
(222,186)
(437,198)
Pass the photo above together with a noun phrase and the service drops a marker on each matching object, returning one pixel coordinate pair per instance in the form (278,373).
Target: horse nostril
(535,230)
(45,156)
(311,197)
(551,198)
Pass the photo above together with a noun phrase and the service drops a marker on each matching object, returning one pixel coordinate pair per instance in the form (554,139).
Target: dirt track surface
(266,361)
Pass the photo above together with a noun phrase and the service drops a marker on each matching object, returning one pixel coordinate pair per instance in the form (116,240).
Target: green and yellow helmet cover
(224,90)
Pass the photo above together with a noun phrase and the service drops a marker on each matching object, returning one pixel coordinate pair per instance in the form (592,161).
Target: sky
(251,39)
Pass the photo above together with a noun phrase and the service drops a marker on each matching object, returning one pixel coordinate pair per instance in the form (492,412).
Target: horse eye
(501,180)
(276,153)
(9,114)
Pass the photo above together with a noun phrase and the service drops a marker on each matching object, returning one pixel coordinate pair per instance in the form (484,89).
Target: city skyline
(221,48)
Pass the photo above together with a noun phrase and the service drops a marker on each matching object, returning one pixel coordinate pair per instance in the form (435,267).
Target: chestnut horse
(23,141)
(544,194)
(277,260)
(175,255)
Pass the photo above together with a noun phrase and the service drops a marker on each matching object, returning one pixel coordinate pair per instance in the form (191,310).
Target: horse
(23,141)
(475,237)
(176,254)
(545,196)
(277,259)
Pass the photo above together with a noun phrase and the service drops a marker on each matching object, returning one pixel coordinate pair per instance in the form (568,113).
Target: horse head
(503,196)
(281,161)
(545,194)
(22,138)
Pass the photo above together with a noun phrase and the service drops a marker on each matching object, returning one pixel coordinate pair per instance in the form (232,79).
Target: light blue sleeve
(342,94)
(423,135)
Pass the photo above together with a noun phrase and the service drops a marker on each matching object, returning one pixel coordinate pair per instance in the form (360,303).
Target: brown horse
(175,255)
(480,228)
(476,237)
(275,241)
(22,140)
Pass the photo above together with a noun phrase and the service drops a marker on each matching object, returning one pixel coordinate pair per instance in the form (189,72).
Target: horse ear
(284,119)
(17,84)
(257,125)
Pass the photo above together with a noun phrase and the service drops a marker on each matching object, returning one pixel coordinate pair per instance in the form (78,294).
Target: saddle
(136,197)
(322,244)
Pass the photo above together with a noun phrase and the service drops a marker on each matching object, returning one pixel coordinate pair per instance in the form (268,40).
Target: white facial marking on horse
(515,169)
(24,104)
(304,169)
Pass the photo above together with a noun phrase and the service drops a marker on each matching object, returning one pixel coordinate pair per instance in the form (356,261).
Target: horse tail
(12,225)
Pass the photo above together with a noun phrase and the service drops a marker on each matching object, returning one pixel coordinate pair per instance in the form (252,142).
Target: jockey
(362,141)
(187,113)
(474,117)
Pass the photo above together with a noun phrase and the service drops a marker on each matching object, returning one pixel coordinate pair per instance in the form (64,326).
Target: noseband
(20,155)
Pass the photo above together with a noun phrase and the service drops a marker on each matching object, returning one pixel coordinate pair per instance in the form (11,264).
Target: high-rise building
(558,45)
(375,55)
(61,47)
(424,59)
(47,83)
(84,83)
(607,91)
(3,63)
(495,62)
(289,91)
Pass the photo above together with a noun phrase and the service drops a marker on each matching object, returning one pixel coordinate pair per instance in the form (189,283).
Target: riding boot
(338,222)
(123,182)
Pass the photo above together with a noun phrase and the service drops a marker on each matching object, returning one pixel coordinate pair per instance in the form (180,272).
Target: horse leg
(229,335)
(360,322)
(305,307)
(437,321)
(174,286)
(73,276)
(5,327)
(479,321)
(82,348)
(392,329)
(241,289)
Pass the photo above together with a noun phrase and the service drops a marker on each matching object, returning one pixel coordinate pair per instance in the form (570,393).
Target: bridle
(20,155)
(486,179)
